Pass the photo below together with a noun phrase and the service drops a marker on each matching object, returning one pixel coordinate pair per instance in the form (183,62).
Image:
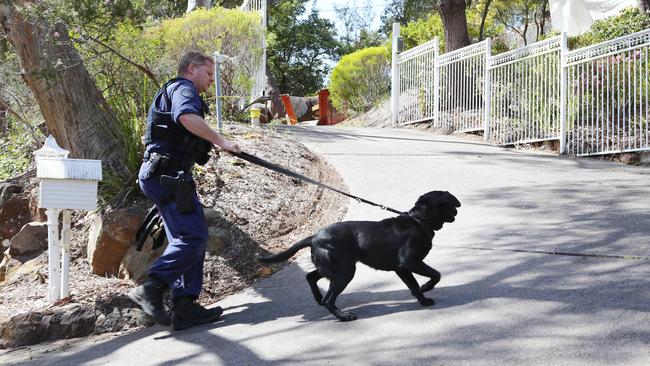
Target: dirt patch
(264,211)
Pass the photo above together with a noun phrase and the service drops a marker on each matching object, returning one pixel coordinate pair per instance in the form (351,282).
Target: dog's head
(436,208)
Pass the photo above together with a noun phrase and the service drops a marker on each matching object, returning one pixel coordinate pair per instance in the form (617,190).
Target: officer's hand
(232,147)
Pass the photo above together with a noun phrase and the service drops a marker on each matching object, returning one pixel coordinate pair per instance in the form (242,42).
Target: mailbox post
(64,184)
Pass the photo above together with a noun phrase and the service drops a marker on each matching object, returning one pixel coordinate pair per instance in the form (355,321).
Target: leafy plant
(361,79)
(630,20)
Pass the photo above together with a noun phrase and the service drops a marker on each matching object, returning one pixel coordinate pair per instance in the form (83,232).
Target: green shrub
(361,80)
(423,30)
(628,21)
(15,150)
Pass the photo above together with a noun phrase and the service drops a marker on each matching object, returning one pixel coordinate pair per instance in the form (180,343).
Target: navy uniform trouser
(181,265)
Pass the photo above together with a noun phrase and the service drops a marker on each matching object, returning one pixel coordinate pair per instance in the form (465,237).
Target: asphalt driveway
(548,263)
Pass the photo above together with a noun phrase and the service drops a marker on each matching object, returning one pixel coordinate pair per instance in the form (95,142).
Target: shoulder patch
(187,92)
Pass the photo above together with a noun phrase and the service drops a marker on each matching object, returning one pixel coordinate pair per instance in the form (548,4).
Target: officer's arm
(197,125)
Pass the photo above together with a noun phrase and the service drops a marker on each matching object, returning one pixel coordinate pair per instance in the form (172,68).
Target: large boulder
(14,214)
(32,269)
(30,239)
(7,190)
(135,264)
(38,214)
(110,238)
(65,322)
(7,265)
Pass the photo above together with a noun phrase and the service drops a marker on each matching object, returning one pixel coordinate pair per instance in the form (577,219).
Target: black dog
(397,244)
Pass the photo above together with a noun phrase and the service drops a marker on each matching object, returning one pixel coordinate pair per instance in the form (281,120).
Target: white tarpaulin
(576,16)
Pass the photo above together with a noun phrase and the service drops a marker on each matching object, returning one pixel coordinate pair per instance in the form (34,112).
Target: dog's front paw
(425,301)
(345,316)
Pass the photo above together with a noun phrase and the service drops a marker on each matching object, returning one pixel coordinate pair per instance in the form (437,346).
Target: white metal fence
(417,84)
(594,100)
(260,75)
(525,93)
(462,85)
(607,96)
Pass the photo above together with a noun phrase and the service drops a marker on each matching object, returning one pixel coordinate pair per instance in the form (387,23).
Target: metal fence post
(487,96)
(436,82)
(394,89)
(218,60)
(563,93)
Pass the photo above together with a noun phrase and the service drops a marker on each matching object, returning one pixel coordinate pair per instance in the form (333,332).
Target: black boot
(188,313)
(149,296)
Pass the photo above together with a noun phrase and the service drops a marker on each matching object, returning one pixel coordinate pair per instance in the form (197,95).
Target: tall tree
(74,109)
(356,23)
(644,5)
(4,124)
(405,11)
(454,20)
(519,16)
(193,4)
(298,47)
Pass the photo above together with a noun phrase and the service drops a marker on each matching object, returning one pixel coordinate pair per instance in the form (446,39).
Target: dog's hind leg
(412,284)
(312,279)
(338,282)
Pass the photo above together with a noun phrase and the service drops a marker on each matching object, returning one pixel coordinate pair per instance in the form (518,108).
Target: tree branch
(144,69)
(483,17)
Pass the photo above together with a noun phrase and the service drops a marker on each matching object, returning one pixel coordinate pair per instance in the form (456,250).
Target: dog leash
(278,169)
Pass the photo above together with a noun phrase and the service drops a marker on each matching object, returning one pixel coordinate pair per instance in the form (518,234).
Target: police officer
(176,138)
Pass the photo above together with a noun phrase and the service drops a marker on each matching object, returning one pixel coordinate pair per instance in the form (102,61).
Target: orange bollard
(324,117)
(288,107)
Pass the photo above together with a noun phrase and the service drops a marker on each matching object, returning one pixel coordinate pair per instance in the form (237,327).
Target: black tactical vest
(186,147)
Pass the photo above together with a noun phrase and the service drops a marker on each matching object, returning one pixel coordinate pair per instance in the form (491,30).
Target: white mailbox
(64,184)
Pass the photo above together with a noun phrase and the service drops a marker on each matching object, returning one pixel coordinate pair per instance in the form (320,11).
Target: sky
(326,9)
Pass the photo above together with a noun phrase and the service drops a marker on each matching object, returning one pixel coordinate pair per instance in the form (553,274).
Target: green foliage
(404,12)
(361,80)
(423,30)
(628,21)
(15,151)
(298,47)
(427,28)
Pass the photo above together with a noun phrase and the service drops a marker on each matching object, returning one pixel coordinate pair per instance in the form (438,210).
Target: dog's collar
(419,223)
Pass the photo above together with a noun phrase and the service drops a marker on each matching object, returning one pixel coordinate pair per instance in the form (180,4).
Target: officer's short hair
(192,58)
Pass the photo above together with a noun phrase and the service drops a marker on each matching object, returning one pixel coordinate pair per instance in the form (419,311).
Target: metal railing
(594,100)
(525,93)
(607,96)
(462,85)
(260,75)
(417,84)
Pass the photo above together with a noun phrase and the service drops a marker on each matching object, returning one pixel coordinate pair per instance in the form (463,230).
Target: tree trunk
(193,4)
(483,18)
(454,21)
(4,123)
(644,5)
(74,110)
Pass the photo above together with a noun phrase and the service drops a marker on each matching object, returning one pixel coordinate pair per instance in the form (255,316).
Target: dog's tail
(283,256)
